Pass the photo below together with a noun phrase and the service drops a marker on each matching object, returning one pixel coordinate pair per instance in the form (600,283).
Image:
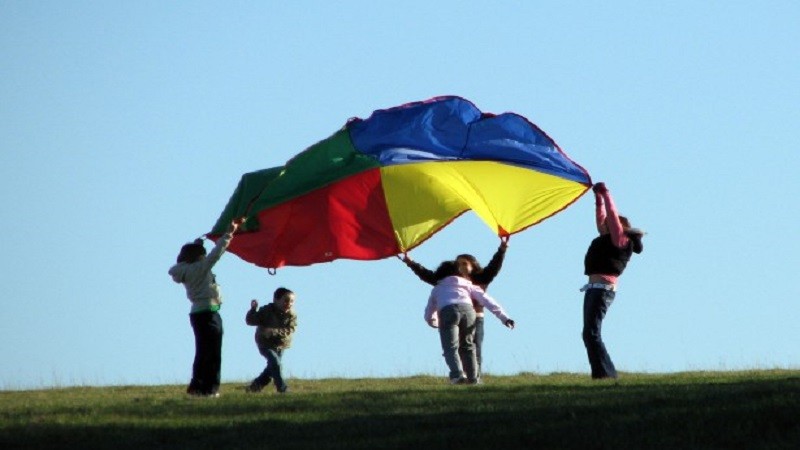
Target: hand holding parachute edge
(600,188)
(235,224)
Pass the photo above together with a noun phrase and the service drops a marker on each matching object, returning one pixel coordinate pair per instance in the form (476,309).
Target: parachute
(381,186)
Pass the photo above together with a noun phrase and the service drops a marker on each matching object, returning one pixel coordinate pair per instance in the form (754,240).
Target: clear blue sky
(125,126)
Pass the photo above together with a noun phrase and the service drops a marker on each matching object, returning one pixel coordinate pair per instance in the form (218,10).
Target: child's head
(446,269)
(283,298)
(468,265)
(193,252)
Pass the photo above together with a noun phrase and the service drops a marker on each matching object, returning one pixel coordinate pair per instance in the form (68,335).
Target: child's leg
(264,377)
(467,345)
(215,352)
(208,342)
(449,318)
(479,342)
(274,368)
(195,385)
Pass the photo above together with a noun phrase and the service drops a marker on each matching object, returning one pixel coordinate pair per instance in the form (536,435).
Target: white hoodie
(201,285)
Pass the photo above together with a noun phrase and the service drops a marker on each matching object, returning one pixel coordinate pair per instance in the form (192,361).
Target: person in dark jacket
(470,268)
(605,260)
(276,323)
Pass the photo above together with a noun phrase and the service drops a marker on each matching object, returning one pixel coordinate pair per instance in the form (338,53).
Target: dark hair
(193,252)
(280,292)
(446,269)
(626,224)
(476,266)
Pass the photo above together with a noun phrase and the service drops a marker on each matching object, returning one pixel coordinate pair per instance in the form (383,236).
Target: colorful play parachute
(381,186)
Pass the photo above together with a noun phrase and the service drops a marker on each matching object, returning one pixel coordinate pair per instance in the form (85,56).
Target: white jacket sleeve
(216,253)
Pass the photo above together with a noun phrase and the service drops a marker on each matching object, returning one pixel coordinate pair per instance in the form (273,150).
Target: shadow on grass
(746,415)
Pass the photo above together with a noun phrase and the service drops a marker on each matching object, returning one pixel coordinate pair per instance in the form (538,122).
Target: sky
(126,126)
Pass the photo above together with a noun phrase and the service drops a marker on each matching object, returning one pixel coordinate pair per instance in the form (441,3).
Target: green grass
(703,410)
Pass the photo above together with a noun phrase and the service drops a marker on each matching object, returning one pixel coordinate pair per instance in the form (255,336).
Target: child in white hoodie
(193,270)
(451,300)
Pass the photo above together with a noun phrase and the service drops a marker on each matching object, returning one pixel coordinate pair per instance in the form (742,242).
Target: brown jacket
(274,327)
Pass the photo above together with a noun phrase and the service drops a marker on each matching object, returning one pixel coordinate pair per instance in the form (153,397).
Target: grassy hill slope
(747,410)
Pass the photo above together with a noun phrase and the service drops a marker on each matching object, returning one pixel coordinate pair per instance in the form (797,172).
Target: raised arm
(491,270)
(252,317)
(613,223)
(599,211)
(419,270)
(222,244)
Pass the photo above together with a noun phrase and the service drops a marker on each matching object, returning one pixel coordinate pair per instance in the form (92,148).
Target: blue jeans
(207,327)
(457,331)
(479,342)
(595,305)
(273,370)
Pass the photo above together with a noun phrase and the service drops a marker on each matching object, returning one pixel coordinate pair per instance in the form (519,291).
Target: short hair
(280,292)
(626,224)
(446,269)
(193,252)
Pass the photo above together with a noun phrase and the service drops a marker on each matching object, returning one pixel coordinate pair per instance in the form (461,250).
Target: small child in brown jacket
(275,324)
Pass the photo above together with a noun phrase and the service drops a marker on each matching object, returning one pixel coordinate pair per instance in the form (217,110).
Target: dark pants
(595,305)
(274,369)
(207,327)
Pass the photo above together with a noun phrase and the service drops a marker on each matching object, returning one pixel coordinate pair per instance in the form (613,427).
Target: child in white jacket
(451,300)
(193,270)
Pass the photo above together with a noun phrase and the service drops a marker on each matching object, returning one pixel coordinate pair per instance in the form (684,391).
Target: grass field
(696,410)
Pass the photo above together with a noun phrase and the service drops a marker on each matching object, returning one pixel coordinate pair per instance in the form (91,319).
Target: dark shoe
(285,390)
(193,388)
(254,387)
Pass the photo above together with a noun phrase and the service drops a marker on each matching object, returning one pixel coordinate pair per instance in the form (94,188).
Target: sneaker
(460,380)
(254,387)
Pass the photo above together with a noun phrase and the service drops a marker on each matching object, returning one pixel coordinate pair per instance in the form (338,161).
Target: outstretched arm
(477,294)
(419,270)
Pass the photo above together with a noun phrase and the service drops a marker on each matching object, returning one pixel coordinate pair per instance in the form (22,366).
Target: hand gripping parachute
(381,186)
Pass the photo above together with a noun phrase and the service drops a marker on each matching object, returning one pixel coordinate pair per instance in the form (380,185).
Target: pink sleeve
(430,308)
(476,293)
(618,236)
(599,210)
